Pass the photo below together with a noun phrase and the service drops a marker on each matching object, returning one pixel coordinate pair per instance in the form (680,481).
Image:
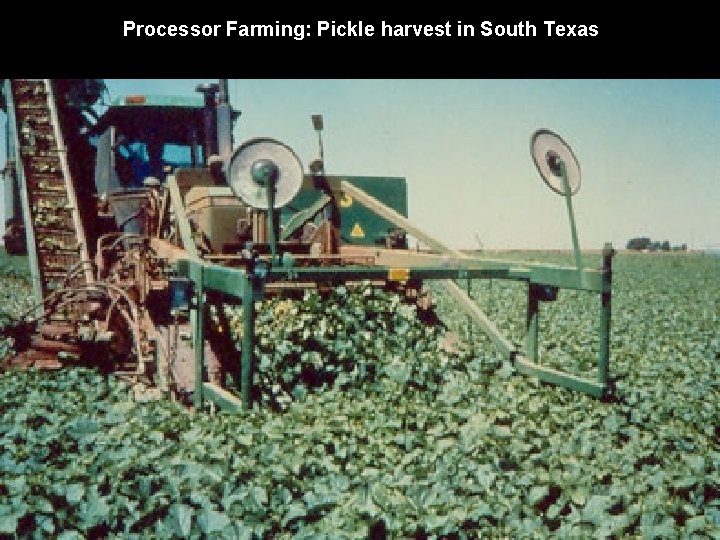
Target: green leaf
(84,426)
(694,524)
(259,495)
(41,504)
(579,495)
(295,509)
(435,522)
(17,486)
(537,493)
(686,482)
(713,516)
(8,523)
(594,510)
(506,371)
(486,476)
(665,529)
(245,439)
(74,493)
(179,519)
(697,463)
(45,523)
(211,521)
(613,422)
(95,510)
(70,535)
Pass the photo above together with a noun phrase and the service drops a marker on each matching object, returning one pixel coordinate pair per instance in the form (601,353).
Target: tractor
(142,220)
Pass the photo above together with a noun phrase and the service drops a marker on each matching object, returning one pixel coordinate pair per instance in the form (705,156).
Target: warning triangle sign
(357,231)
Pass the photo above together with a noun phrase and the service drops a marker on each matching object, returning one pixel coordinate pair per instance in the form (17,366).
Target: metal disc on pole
(265,171)
(549,151)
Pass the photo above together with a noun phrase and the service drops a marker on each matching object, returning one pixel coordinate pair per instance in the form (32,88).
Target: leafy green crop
(392,435)
(351,337)
(15,297)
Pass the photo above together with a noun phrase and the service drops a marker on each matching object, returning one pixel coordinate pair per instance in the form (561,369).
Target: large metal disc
(258,162)
(548,150)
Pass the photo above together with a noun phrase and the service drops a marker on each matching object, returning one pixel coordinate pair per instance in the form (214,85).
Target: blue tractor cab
(139,140)
(148,136)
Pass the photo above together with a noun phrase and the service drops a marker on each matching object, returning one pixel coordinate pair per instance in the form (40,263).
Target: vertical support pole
(272,218)
(531,338)
(196,274)
(605,312)
(248,339)
(22,187)
(224,115)
(468,288)
(571,217)
(490,306)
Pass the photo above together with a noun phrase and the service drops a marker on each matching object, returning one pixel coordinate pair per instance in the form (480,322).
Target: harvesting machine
(140,223)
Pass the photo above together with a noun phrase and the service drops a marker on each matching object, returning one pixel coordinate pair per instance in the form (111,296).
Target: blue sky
(649,150)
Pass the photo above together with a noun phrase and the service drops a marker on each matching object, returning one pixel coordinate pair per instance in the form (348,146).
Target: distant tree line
(643,243)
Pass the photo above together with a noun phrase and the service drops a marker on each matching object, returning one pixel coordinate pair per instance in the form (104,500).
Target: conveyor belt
(56,239)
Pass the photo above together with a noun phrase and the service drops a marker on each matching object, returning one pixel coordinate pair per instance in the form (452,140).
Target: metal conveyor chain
(58,235)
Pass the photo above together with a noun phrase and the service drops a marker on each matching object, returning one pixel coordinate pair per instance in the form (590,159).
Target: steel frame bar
(571,216)
(302,217)
(222,398)
(181,219)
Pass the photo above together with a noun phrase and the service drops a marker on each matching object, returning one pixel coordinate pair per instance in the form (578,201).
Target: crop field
(370,424)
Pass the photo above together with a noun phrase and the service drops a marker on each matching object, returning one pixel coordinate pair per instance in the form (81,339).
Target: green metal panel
(358,225)
(229,281)
(391,191)
(222,398)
